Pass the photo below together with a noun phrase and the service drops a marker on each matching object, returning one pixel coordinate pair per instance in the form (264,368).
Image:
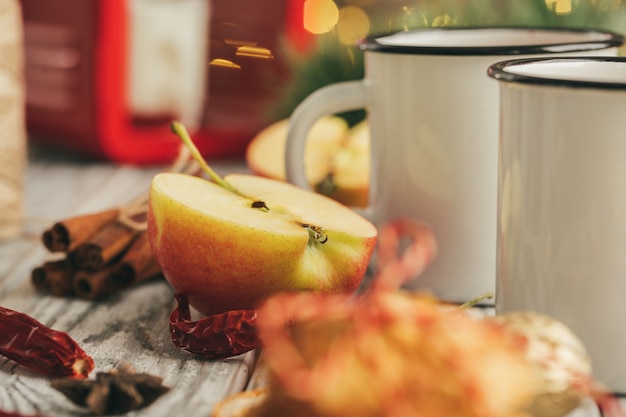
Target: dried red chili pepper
(9,414)
(39,348)
(12,414)
(214,337)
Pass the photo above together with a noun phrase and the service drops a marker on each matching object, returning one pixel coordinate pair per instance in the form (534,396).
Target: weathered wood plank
(130,328)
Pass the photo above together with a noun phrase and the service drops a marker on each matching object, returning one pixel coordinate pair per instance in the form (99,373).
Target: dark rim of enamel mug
(612,39)
(501,72)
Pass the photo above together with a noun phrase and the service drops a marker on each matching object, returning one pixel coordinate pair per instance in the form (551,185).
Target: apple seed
(260,205)
(316,233)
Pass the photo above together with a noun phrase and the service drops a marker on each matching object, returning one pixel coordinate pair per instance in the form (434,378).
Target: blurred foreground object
(12,128)
(387,352)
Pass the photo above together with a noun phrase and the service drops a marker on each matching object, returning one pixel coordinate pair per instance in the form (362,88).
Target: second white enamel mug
(562,200)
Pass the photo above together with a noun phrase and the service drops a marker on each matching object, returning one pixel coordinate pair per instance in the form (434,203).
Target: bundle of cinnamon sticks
(105,252)
(101,253)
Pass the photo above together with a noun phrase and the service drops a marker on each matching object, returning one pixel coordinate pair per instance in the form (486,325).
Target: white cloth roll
(12,120)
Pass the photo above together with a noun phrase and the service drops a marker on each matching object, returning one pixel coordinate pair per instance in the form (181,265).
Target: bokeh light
(224,63)
(320,16)
(560,6)
(353,25)
(254,52)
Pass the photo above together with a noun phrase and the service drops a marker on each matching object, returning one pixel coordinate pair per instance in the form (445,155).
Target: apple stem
(180,131)
(474,301)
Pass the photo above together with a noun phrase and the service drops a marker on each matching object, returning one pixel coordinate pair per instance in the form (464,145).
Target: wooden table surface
(130,328)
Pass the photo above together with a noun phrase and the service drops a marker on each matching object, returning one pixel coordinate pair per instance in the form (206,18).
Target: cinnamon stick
(93,285)
(100,284)
(126,274)
(55,277)
(107,243)
(67,235)
(136,265)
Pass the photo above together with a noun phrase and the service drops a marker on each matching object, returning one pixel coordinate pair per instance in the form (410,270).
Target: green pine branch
(333,62)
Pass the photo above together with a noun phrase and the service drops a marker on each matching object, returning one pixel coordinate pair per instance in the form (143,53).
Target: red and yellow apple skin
(225,254)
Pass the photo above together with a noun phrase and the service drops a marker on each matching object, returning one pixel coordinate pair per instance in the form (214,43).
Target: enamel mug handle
(328,100)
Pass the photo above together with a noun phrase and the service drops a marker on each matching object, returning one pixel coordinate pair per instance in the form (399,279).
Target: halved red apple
(229,249)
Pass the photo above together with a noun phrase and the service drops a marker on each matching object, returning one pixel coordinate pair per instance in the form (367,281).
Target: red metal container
(76,71)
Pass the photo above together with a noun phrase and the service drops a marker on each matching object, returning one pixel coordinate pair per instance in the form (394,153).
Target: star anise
(112,392)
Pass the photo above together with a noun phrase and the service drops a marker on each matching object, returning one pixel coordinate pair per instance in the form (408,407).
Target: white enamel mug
(562,200)
(433,115)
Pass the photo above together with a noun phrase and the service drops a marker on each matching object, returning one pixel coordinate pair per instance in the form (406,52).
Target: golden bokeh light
(320,16)
(225,63)
(239,42)
(254,52)
(560,6)
(353,25)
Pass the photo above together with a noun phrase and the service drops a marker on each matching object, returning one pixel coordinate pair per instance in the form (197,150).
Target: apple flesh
(336,158)
(265,154)
(230,250)
(350,171)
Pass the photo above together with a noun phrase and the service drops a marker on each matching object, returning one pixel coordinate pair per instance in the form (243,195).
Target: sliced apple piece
(350,172)
(265,154)
(230,248)
(337,159)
